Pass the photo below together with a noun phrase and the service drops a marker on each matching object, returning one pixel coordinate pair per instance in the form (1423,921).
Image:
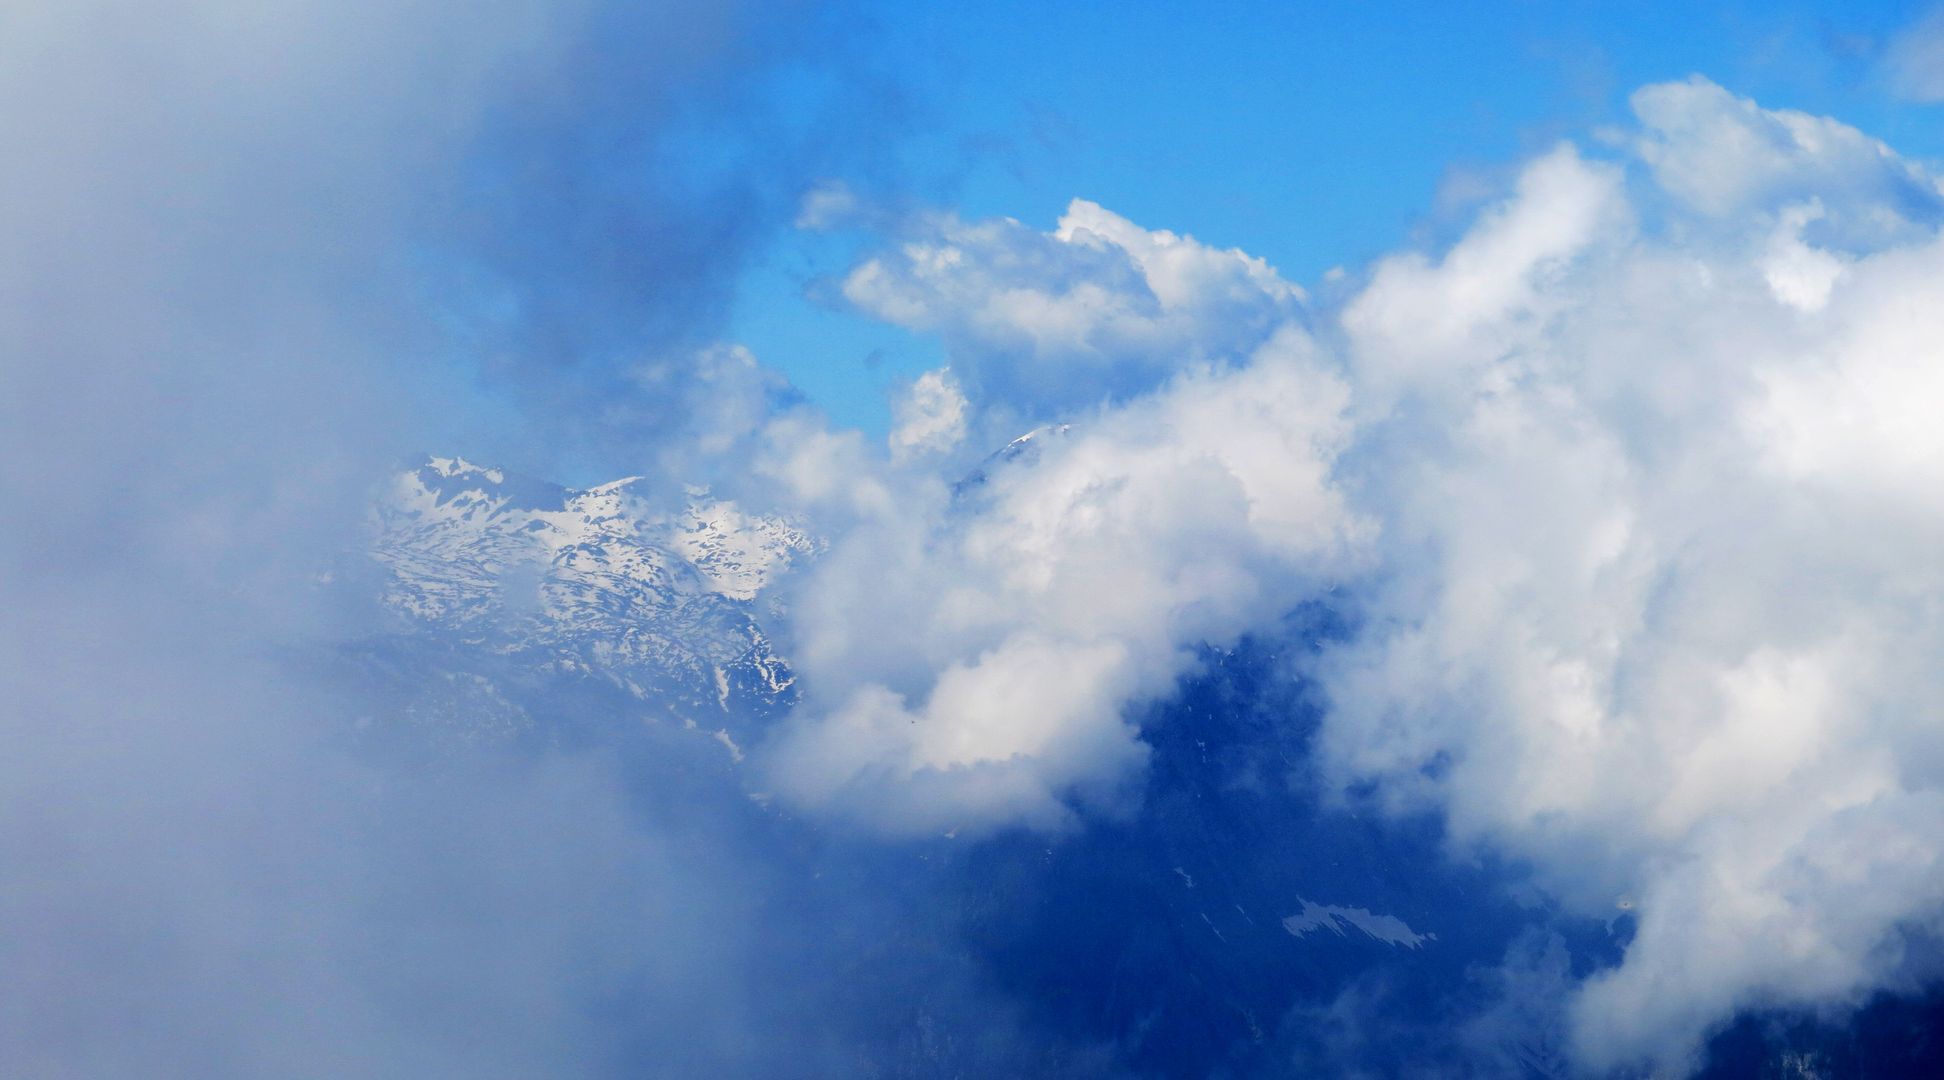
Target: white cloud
(1659,585)
(1645,472)
(1417,323)
(1800,275)
(1724,155)
(1098,308)
(929,417)
(828,205)
(1023,618)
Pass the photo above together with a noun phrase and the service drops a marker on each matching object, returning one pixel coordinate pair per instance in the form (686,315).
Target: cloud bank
(1072,580)
(243,253)
(1630,496)
(1657,602)
(1632,493)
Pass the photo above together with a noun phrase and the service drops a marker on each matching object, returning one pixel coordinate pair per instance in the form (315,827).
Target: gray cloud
(241,249)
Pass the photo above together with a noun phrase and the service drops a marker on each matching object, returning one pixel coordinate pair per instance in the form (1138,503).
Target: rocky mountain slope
(592,584)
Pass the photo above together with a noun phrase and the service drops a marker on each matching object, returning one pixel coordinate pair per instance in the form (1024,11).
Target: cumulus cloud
(1070,581)
(929,417)
(1656,594)
(1631,493)
(1098,308)
(1418,323)
(1726,157)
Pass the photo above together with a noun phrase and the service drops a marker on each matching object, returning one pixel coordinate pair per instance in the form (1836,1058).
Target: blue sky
(1312,135)
(1518,650)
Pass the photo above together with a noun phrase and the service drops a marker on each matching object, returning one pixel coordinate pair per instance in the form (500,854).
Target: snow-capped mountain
(1222,929)
(531,609)
(1022,450)
(595,584)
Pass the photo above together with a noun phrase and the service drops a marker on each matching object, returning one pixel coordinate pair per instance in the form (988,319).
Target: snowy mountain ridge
(596,582)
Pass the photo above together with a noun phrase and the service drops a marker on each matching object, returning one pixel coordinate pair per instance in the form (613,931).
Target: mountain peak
(458,466)
(600,581)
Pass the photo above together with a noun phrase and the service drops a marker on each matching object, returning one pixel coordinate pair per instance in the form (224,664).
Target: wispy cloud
(1914,59)
(223,303)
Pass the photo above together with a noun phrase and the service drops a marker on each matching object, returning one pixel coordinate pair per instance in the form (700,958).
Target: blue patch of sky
(1311,134)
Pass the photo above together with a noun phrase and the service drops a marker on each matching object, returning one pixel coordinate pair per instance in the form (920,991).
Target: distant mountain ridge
(599,584)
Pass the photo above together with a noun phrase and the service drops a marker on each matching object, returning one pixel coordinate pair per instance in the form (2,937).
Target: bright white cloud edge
(1635,486)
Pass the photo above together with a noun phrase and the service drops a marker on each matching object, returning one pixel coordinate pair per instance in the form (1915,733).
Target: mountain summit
(596,584)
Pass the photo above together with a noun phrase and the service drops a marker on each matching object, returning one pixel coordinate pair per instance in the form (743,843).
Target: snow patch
(1388,929)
